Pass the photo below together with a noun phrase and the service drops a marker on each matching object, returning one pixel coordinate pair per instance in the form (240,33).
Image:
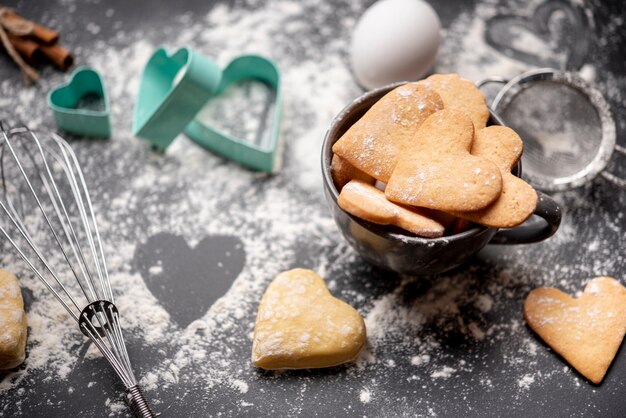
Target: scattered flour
(525,382)
(283,223)
(443,373)
(240,385)
(365,396)
(419,360)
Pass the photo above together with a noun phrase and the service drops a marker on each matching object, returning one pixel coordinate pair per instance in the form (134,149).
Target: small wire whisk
(48,217)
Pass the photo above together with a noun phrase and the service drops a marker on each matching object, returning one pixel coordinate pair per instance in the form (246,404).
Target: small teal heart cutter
(64,100)
(173,89)
(262,158)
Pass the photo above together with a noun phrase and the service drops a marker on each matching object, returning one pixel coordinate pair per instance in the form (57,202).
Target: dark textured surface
(333,392)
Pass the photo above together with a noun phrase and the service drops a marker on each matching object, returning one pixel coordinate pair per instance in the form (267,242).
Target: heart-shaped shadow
(185,280)
(81,105)
(250,85)
(556,35)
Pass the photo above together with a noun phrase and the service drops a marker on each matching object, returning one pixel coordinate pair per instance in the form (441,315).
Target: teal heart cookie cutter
(163,109)
(173,89)
(70,115)
(258,157)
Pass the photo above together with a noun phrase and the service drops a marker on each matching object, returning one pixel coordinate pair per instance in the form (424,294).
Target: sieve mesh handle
(618,181)
(491,79)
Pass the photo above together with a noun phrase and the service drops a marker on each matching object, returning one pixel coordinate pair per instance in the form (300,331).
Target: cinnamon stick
(44,35)
(30,74)
(59,56)
(27,48)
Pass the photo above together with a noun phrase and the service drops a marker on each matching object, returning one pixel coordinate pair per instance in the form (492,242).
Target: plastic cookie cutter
(567,126)
(258,147)
(81,105)
(173,89)
(177,90)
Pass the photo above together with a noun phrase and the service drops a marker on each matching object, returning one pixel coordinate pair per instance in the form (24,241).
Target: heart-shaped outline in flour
(187,280)
(256,157)
(586,331)
(540,29)
(64,98)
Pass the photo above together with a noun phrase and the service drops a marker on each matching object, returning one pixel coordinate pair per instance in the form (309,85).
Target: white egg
(395,40)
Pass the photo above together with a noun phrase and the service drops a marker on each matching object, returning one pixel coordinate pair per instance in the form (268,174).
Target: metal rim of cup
(382,229)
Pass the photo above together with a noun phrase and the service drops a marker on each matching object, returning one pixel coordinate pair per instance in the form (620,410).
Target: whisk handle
(137,403)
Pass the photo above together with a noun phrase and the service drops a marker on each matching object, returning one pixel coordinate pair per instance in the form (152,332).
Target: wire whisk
(47,216)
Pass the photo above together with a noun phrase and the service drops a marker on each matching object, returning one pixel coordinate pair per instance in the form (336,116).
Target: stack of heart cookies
(423,159)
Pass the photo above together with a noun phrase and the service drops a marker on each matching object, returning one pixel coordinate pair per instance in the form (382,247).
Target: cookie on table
(13,327)
(586,331)
(300,325)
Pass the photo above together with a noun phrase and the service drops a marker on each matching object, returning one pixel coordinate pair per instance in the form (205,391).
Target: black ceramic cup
(397,250)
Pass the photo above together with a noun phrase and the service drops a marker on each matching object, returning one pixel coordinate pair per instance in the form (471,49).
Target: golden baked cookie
(437,171)
(518,199)
(459,93)
(342,172)
(586,331)
(367,202)
(374,143)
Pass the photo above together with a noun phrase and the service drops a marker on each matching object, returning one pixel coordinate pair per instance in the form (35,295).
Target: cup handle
(535,230)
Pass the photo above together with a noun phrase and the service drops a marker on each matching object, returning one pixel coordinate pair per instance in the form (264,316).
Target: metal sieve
(566,125)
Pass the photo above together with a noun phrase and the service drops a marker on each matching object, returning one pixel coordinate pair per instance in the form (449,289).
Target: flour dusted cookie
(518,199)
(367,202)
(342,172)
(587,331)
(459,93)
(374,143)
(437,171)
(300,325)
(13,328)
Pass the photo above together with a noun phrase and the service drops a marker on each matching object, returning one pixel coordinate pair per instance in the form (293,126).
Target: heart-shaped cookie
(437,171)
(187,280)
(367,202)
(586,331)
(342,172)
(376,141)
(81,105)
(461,94)
(301,325)
(518,199)
(13,327)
